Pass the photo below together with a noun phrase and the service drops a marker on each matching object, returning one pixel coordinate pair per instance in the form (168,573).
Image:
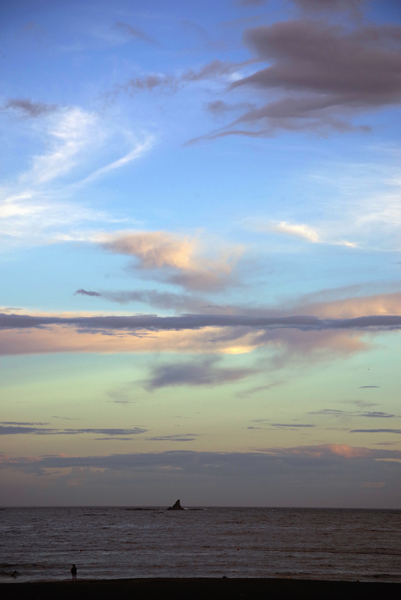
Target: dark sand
(205,589)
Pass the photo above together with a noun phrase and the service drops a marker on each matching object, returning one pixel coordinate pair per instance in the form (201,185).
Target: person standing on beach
(74,572)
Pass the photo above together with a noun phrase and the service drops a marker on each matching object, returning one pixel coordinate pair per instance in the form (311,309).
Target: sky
(200,256)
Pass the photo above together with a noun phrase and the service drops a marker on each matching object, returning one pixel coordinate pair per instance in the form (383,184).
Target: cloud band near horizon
(199,321)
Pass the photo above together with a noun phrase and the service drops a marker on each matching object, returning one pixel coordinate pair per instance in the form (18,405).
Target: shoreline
(202,588)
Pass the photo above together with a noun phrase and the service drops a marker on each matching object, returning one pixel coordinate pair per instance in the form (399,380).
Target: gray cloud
(30,109)
(375,431)
(165,300)
(366,387)
(136,33)
(21,423)
(258,388)
(110,432)
(65,418)
(321,456)
(198,321)
(219,108)
(313,5)
(216,68)
(292,425)
(346,413)
(319,76)
(361,403)
(149,83)
(114,439)
(212,70)
(202,372)
(83,292)
(323,5)
(18,430)
(377,415)
(251,2)
(321,475)
(197,32)
(185,437)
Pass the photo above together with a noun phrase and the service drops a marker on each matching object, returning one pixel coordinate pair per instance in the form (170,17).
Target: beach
(202,588)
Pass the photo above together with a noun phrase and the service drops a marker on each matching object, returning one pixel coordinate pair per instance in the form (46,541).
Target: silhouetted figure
(74,572)
(176,506)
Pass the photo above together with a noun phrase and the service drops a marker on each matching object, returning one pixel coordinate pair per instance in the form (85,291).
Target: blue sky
(199,252)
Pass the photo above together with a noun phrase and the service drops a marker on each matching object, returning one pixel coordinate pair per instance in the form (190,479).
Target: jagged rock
(176,506)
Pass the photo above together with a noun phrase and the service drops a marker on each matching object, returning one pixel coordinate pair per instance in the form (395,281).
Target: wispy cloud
(215,70)
(366,195)
(135,33)
(38,206)
(166,300)
(139,149)
(302,231)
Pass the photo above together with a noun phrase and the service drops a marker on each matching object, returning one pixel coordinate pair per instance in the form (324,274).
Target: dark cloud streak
(314,5)
(292,425)
(82,292)
(375,431)
(344,413)
(18,430)
(318,76)
(197,373)
(199,321)
(30,109)
(327,5)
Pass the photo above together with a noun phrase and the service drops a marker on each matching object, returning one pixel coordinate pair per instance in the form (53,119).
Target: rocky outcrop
(176,506)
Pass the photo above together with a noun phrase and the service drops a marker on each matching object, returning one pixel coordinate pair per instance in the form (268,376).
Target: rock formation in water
(176,506)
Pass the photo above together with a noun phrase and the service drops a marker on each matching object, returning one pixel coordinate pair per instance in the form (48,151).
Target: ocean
(107,543)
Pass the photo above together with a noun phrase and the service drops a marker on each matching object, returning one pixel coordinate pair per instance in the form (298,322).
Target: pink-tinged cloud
(329,450)
(351,308)
(65,339)
(292,338)
(178,259)
(184,335)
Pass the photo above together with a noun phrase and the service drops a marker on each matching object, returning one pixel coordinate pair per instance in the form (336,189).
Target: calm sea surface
(42,543)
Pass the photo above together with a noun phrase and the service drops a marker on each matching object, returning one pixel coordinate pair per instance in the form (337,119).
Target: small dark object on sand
(176,506)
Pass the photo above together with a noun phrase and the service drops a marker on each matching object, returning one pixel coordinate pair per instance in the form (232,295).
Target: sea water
(42,543)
